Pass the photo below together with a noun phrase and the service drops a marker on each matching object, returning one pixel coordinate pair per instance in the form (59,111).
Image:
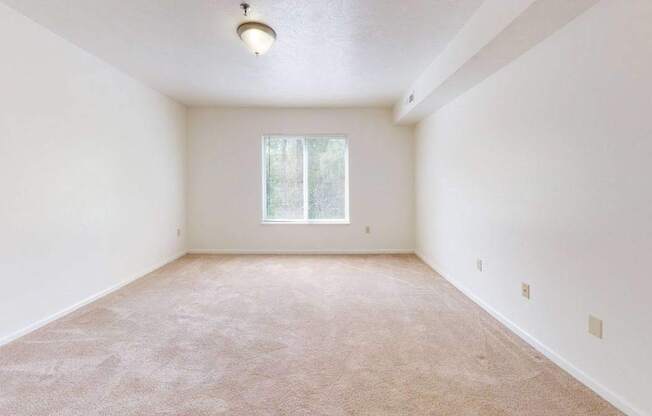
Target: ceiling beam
(499,32)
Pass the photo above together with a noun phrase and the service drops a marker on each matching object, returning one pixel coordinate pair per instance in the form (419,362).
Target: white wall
(544,172)
(224,187)
(92,173)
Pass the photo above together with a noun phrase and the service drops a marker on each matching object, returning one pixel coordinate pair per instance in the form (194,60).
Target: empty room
(328,207)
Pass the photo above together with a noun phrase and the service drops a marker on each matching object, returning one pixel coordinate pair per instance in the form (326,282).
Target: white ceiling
(328,52)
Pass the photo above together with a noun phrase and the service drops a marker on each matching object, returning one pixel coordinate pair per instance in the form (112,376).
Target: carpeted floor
(285,335)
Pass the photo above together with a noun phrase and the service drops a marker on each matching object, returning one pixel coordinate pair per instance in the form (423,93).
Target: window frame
(304,221)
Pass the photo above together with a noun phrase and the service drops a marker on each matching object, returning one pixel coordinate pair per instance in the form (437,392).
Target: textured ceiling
(328,52)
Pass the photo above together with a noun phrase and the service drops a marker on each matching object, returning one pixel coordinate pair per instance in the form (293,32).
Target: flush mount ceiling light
(257,36)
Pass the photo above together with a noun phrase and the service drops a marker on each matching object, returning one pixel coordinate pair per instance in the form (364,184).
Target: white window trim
(343,221)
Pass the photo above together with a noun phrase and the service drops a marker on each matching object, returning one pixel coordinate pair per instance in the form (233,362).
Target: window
(305,179)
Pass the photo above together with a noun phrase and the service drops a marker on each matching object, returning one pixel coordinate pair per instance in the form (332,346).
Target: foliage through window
(305,179)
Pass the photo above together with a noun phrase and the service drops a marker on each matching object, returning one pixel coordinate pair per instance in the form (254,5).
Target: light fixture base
(245,8)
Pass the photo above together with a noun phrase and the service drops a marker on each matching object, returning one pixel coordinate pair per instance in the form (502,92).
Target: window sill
(304,222)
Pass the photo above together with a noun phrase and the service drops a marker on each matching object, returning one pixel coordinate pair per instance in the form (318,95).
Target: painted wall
(544,172)
(224,187)
(92,173)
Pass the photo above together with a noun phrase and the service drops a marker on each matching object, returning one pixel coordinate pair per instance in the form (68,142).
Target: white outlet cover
(595,326)
(525,290)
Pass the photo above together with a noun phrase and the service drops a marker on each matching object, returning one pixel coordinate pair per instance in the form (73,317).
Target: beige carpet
(285,335)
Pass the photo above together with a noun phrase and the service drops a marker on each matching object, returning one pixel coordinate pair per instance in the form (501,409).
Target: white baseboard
(615,399)
(38,324)
(238,251)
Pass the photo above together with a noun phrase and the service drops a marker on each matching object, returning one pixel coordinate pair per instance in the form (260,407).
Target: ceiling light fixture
(257,36)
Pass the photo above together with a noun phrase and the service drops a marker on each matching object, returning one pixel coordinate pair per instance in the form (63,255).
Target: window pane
(326,178)
(284,164)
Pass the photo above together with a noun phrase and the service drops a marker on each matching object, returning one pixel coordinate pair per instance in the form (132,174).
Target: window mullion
(305,179)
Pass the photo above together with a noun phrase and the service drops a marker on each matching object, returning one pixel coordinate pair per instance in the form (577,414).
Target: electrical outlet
(367,229)
(595,326)
(478,264)
(178,232)
(525,290)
